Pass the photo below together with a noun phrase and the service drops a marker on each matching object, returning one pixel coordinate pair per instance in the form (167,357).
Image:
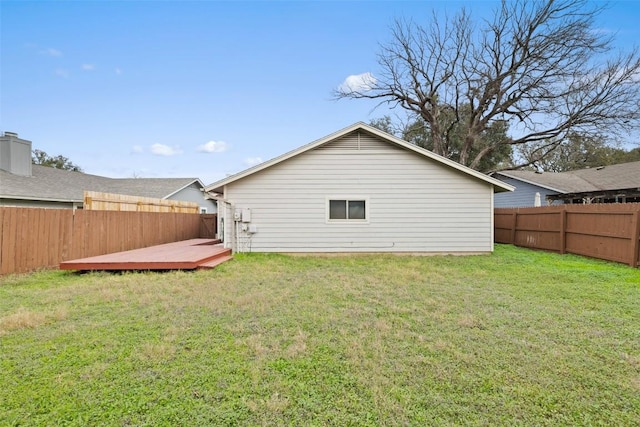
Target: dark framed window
(347,210)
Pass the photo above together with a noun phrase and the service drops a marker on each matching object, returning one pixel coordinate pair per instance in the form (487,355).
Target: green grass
(513,338)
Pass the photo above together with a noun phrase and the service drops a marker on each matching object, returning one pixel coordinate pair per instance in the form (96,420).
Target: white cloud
(252,161)
(165,150)
(51,52)
(88,67)
(61,72)
(358,83)
(213,147)
(137,149)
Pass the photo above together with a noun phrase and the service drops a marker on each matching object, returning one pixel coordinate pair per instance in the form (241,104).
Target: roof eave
(185,186)
(218,185)
(527,181)
(39,199)
(498,185)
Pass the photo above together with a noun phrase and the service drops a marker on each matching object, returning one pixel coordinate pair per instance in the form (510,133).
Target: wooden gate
(208,226)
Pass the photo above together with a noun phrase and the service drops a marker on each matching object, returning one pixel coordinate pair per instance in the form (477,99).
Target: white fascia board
(264,165)
(527,181)
(503,186)
(497,184)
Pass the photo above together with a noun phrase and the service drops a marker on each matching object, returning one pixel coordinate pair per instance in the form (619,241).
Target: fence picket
(605,231)
(34,238)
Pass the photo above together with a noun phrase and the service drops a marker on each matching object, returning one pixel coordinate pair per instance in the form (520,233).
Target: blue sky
(198,88)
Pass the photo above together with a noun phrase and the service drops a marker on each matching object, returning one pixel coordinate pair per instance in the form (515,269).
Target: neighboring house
(28,185)
(526,190)
(605,184)
(358,190)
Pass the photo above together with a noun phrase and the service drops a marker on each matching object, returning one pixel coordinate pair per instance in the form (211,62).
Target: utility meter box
(246,215)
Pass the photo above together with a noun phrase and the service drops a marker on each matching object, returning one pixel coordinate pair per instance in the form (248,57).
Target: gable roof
(56,185)
(498,185)
(603,178)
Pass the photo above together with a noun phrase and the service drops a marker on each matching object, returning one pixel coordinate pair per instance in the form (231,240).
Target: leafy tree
(621,156)
(40,157)
(385,124)
(579,152)
(417,132)
(540,67)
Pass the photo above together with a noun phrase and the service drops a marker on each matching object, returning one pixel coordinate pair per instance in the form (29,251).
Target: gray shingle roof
(54,184)
(605,178)
(613,177)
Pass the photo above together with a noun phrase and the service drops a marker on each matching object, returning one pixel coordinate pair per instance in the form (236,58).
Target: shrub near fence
(33,238)
(605,231)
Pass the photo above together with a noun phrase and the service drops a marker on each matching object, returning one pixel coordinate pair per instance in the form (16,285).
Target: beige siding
(415,204)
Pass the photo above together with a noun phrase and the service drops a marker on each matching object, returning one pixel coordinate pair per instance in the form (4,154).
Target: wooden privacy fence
(97,201)
(605,231)
(31,238)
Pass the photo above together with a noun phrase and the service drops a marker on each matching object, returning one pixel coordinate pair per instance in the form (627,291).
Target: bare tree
(540,66)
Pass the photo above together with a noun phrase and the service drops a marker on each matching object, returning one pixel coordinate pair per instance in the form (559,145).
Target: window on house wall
(352,209)
(203,210)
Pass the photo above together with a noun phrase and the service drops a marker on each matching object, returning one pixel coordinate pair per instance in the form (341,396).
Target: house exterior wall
(524,195)
(192,193)
(414,204)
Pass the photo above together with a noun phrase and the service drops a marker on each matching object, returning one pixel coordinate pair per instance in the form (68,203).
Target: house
(28,185)
(528,189)
(358,190)
(605,184)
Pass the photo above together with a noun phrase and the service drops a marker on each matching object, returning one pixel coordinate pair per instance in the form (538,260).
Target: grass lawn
(513,338)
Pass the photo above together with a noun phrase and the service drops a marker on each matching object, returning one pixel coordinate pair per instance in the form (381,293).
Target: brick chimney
(15,154)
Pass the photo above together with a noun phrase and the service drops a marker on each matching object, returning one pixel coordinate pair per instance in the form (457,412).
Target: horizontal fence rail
(35,238)
(605,231)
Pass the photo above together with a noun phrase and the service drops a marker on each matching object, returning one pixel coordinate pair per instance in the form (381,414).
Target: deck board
(184,255)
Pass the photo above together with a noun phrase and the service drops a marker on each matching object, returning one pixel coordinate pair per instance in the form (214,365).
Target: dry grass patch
(24,318)
(469,320)
(298,346)
(156,351)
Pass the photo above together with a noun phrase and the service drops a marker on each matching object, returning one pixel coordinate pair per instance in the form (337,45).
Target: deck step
(215,262)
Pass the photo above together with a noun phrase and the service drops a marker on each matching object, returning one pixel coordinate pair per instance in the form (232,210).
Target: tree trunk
(469,141)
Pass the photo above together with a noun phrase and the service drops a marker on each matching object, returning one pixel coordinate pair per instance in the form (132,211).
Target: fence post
(635,242)
(563,230)
(514,215)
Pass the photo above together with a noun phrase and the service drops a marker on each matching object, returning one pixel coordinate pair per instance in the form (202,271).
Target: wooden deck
(184,255)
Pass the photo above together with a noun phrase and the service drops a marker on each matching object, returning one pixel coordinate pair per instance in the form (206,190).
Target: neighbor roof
(603,178)
(50,184)
(498,185)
